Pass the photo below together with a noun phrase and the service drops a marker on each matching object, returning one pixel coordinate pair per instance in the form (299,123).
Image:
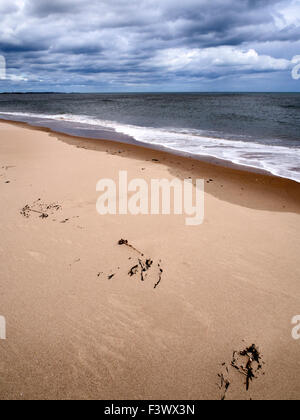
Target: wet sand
(80,327)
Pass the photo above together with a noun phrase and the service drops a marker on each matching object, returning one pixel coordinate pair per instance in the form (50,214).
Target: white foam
(278,160)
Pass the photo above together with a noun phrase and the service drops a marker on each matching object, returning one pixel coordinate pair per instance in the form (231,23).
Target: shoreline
(79,326)
(256,180)
(131,141)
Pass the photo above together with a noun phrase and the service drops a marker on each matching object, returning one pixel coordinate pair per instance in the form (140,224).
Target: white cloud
(218,59)
(16,78)
(288,13)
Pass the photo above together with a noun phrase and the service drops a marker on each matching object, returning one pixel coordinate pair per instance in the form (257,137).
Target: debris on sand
(38,207)
(133,271)
(142,266)
(149,263)
(159,276)
(26,212)
(248,363)
(145,266)
(126,243)
(44,216)
(224,384)
(75,262)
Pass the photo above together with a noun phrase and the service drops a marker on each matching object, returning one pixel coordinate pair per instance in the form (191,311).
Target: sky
(149,45)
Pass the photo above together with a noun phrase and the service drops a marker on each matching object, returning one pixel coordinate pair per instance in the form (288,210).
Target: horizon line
(142,92)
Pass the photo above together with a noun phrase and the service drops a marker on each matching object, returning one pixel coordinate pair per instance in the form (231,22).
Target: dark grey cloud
(44,8)
(113,44)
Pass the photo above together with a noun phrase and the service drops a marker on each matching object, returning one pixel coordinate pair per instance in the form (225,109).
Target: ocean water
(259,131)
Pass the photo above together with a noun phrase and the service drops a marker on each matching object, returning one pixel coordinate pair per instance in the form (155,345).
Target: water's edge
(123,139)
(255,133)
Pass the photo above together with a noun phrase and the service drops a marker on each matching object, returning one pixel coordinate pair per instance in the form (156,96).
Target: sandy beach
(80,327)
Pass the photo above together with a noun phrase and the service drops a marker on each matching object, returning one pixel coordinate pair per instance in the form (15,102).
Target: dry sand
(74,334)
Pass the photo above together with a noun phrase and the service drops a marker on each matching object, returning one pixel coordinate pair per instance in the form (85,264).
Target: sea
(258,130)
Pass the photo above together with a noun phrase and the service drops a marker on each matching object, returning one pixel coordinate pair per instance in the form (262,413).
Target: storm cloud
(101,45)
